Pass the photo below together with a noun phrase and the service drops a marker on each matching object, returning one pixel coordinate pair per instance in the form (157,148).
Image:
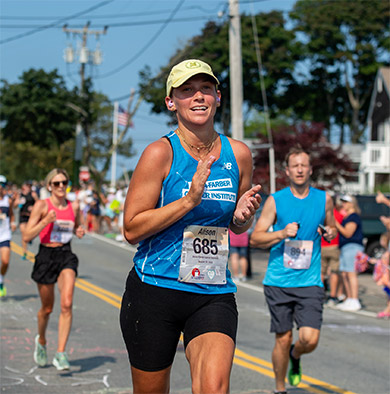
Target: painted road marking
(240,358)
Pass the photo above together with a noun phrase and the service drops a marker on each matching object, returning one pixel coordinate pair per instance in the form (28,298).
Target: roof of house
(384,74)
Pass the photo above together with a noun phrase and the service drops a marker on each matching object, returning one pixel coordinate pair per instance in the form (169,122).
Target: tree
(279,53)
(20,161)
(97,126)
(320,70)
(40,117)
(345,42)
(330,166)
(34,110)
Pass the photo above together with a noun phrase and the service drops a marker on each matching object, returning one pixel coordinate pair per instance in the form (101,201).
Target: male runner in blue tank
(292,284)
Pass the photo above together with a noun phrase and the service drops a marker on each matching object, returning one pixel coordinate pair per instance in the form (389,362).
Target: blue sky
(140,33)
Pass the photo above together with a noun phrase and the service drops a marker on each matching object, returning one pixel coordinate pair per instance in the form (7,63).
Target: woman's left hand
(80,232)
(247,205)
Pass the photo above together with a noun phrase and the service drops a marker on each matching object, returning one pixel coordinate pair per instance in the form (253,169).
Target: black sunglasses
(56,184)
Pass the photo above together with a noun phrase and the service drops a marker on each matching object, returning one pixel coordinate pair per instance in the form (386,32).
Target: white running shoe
(60,361)
(40,355)
(350,305)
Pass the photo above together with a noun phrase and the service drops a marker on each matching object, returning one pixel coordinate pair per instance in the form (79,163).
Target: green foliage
(330,166)
(346,41)
(384,188)
(40,117)
(98,128)
(320,69)
(278,53)
(20,161)
(35,109)
(256,124)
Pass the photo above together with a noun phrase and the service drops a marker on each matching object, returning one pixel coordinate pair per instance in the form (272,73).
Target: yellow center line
(98,294)
(83,282)
(239,354)
(253,363)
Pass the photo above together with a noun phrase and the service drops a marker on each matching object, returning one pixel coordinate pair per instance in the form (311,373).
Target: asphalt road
(353,355)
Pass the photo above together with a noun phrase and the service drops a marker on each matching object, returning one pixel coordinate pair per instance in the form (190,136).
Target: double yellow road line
(241,358)
(82,284)
(265,368)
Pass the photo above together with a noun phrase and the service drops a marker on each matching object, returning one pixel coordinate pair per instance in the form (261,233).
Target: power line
(115,16)
(121,24)
(145,47)
(54,24)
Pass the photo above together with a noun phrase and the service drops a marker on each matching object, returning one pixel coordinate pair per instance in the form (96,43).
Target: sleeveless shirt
(157,260)
(5,229)
(26,201)
(62,229)
(309,212)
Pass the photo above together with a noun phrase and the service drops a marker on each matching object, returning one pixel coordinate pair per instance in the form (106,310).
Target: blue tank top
(309,212)
(157,260)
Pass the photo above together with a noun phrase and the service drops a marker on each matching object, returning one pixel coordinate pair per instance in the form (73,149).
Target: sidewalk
(372,297)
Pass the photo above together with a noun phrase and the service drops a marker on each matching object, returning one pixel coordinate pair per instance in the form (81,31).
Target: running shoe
(3,290)
(295,371)
(350,305)
(331,302)
(24,257)
(383,315)
(60,361)
(40,355)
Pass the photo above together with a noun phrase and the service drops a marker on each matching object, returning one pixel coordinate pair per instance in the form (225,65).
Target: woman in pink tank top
(55,220)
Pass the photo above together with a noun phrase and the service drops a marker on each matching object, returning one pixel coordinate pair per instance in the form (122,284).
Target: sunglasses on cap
(58,183)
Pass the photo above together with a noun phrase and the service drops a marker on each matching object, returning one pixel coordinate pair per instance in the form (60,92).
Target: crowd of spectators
(101,210)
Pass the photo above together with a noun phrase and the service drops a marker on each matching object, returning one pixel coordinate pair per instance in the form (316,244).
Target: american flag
(123,117)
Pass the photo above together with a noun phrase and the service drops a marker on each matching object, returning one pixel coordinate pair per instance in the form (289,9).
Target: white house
(375,160)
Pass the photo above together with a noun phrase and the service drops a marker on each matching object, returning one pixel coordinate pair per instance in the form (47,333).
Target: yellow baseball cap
(185,70)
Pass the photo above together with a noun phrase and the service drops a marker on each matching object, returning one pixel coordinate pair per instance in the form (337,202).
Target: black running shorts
(303,305)
(49,262)
(152,319)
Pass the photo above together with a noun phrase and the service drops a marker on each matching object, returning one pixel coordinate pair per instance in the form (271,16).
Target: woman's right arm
(141,217)
(38,220)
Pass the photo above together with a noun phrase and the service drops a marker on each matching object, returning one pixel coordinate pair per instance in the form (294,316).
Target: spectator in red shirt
(330,262)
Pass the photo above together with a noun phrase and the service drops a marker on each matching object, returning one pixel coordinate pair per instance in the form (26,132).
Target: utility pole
(85,56)
(114,142)
(271,150)
(236,80)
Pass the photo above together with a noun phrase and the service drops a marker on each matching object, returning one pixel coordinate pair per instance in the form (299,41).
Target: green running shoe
(40,355)
(3,290)
(295,371)
(60,361)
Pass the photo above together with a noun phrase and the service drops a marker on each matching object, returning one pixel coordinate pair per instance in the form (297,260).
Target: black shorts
(5,244)
(152,319)
(23,218)
(49,262)
(303,305)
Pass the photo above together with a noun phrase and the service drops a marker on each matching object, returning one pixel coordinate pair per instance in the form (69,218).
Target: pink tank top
(62,229)
(239,240)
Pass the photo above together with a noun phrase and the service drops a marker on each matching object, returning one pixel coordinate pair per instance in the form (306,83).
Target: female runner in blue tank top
(188,188)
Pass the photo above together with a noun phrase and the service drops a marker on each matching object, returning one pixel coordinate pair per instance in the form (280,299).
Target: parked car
(373,228)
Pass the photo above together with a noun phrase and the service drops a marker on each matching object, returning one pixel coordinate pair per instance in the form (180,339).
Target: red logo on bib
(195,272)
